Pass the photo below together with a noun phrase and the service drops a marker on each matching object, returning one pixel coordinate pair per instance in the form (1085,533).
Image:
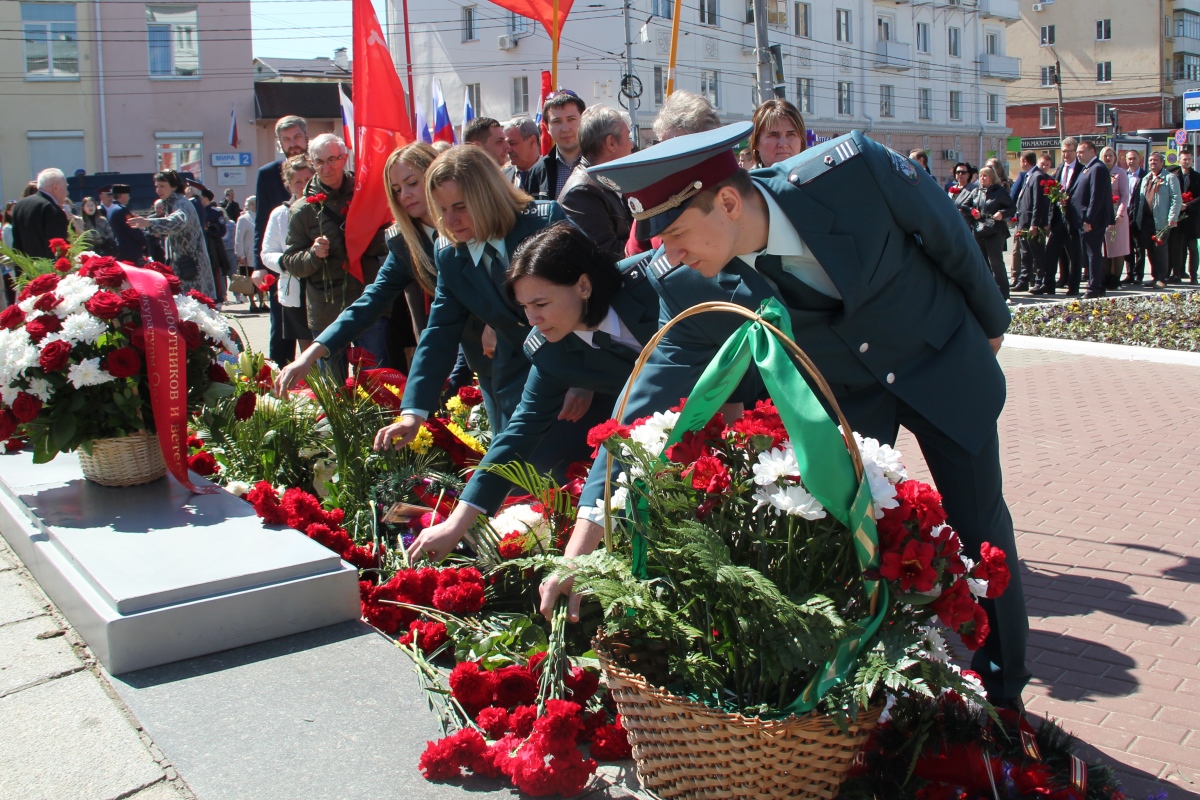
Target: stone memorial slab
(153,574)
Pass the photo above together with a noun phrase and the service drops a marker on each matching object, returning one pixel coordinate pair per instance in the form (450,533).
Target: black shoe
(1129,280)
(1193,281)
(1020,287)
(1061,284)
(1071,293)
(1041,290)
(1090,295)
(1014,704)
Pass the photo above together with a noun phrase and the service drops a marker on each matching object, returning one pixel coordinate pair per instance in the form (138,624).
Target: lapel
(642,320)
(485,290)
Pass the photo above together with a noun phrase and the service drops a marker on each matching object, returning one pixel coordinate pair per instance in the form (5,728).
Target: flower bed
(1169,321)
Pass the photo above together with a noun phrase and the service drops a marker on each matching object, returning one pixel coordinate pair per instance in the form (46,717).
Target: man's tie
(795,292)
(496,267)
(602,341)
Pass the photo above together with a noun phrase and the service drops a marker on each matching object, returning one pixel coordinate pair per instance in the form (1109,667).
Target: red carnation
(472,687)
(913,568)
(360,357)
(493,721)
(464,598)
(192,336)
(244,408)
(979,629)
(105,305)
(955,607)
(1032,779)
(762,421)
(922,501)
(202,298)
(611,743)
(313,199)
(1187,197)
(955,190)
(267,282)
(11,318)
(513,545)
(1117,197)
(438,762)
(25,408)
(975,213)
(515,686)
(202,463)
(581,684)
(62,265)
(41,284)
(109,275)
(605,431)
(708,474)
(521,719)
(429,636)
(55,355)
(8,424)
(470,396)
(993,568)
(303,509)
(124,362)
(59,246)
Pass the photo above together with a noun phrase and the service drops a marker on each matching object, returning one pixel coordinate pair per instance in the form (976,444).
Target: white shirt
(615,328)
(476,249)
(274,243)
(785,242)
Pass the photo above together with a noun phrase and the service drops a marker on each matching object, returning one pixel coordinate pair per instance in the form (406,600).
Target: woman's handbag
(184,266)
(241,284)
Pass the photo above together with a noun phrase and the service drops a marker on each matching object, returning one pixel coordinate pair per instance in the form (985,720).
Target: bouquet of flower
(1038,235)
(73,352)
(1054,190)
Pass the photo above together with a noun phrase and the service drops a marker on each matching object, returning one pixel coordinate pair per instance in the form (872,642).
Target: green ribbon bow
(825,467)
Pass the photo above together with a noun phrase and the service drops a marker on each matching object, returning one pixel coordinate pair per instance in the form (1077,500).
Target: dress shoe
(1111,282)
(1020,287)
(1193,281)
(1041,290)
(1090,295)
(1160,285)
(1071,293)
(1129,280)
(1061,284)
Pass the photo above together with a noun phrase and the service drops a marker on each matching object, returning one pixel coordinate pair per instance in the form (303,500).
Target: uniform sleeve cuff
(416,412)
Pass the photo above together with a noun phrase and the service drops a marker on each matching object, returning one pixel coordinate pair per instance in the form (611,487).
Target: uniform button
(891,377)
(862,348)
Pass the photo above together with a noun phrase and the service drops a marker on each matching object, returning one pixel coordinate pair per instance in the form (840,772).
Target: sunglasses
(960,172)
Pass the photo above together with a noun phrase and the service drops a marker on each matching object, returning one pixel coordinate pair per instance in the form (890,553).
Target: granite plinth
(152,574)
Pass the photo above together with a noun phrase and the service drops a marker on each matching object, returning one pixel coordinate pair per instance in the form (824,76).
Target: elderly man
(291,133)
(562,112)
(38,218)
(524,150)
(1159,205)
(597,209)
(487,133)
(316,244)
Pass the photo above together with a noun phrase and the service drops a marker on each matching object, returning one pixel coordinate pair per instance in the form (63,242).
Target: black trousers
(993,253)
(1181,244)
(971,486)
(1028,254)
(1135,262)
(282,350)
(1062,241)
(1160,263)
(1091,245)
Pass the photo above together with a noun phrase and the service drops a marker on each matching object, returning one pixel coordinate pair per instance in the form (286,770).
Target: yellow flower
(423,441)
(464,437)
(1129,317)
(455,406)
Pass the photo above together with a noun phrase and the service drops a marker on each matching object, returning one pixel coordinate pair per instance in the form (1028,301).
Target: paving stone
(72,742)
(18,599)
(163,790)
(26,659)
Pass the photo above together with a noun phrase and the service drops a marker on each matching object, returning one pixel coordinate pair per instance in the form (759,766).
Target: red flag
(547,90)
(542,11)
(382,125)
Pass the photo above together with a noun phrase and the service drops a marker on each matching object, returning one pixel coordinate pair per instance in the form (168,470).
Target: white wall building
(914,73)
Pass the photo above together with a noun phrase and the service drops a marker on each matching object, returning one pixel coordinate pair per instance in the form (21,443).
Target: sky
(304,28)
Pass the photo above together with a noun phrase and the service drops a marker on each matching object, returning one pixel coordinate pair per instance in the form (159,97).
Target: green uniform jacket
(463,290)
(918,301)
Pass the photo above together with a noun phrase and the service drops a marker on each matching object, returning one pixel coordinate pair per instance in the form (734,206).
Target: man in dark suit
(38,218)
(1135,262)
(900,314)
(292,134)
(1064,237)
(131,242)
(1033,213)
(1091,210)
(1183,238)
(562,113)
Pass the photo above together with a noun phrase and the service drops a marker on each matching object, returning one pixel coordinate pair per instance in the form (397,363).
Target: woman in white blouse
(297,171)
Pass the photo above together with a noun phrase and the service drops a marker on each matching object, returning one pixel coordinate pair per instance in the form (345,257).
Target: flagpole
(554,49)
(412,98)
(674,46)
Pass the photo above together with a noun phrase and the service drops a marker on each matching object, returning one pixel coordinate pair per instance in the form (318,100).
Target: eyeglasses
(320,162)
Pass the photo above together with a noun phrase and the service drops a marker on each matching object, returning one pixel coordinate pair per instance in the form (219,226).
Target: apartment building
(931,75)
(126,87)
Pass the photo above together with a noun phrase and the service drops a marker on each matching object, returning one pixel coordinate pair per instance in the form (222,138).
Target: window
(172,32)
(777,13)
(1187,24)
(1187,68)
(954,41)
(1103,30)
(710,87)
(518,24)
(993,108)
(468,24)
(804,95)
(1047,37)
(660,86)
(842,24)
(60,149)
(1048,76)
(883,28)
(181,155)
(922,37)
(992,43)
(1168,112)
(956,105)
(1103,72)
(924,103)
(708,13)
(51,42)
(473,97)
(662,8)
(804,20)
(845,98)
(886,93)
(1102,112)
(520,97)
(1048,117)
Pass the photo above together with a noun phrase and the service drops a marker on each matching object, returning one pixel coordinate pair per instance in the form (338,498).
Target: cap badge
(635,205)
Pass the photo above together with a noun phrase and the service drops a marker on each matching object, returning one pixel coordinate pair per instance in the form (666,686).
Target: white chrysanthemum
(522,518)
(775,465)
(935,644)
(8,395)
(652,434)
(40,388)
(793,501)
(26,305)
(17,354)
(238,488)
(82,327)
(882,469)
(189,308)
(883,491)
(74,290)
(88,373)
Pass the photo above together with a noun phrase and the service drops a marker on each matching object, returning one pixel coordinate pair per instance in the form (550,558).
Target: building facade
(127,88)
(307,87)
(930,75)
(1109,57)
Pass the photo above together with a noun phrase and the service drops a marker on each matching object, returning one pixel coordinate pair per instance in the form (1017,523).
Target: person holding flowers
(1161,204)
(990,206)
(296,171)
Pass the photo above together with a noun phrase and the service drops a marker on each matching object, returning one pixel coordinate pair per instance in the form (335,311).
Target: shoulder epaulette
(534,342)
(540,208)
(661,267)
(823,158)
(633,270)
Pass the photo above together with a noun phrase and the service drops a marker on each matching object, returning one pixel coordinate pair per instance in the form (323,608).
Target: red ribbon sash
(166,368)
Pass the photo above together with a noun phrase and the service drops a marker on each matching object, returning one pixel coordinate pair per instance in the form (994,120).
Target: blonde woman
(1116,238)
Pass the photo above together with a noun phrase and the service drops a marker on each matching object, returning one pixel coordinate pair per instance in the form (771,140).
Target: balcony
(1005,68)
(1000,9)
(1187,5)
(893,55)
(1186,44)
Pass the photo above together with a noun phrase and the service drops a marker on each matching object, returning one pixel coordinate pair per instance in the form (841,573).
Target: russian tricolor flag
(443,130)
(422,123)
(468,111)
(347,118)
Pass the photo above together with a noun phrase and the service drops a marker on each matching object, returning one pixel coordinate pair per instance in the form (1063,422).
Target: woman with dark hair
(779,133)
(960,190)
(95,219)
(186,250)
(591,322)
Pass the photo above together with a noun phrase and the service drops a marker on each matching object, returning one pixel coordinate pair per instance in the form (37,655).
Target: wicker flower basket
(124,461)
(686,750)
